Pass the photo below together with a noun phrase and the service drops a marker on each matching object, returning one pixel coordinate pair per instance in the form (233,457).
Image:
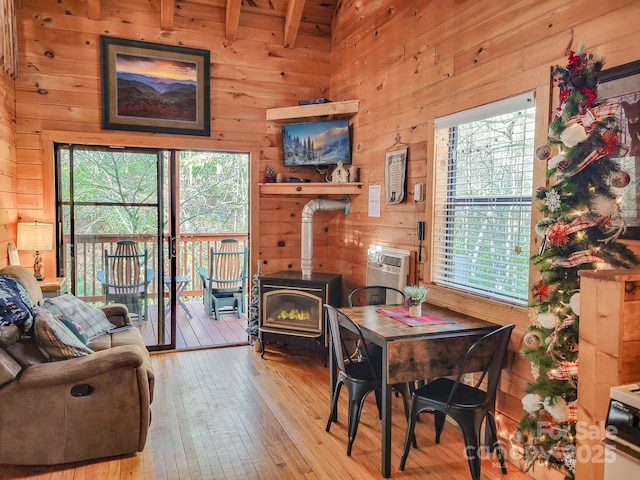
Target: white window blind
(483,192)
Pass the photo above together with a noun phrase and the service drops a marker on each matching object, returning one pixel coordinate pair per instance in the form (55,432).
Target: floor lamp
(36,237)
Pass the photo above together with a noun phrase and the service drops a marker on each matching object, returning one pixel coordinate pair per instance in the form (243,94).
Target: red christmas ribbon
(592,115)
(565,371)
(580,223)
(577,258)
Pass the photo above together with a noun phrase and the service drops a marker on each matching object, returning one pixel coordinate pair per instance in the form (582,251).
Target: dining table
(413,349)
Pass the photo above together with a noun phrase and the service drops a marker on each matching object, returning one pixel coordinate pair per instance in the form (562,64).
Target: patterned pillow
(92,320)
(15,304)
(54,339)
(76,329)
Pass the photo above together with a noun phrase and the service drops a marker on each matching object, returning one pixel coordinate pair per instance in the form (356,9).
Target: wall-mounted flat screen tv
(317,144)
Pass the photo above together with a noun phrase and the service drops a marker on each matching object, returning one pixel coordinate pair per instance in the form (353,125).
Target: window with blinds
(483,193)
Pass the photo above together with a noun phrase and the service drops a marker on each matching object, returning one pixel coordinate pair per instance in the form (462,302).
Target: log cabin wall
(409,62)
(59,100)
(8,166)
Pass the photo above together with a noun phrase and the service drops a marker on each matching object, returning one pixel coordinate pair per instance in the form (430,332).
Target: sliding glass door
(166,208)
(115,219)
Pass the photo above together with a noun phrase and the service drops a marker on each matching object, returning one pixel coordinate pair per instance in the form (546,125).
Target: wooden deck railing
(191,250)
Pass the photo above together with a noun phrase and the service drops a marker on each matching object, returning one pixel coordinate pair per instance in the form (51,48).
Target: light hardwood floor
(227,414)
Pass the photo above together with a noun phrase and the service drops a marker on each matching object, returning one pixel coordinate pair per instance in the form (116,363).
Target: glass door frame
(162,239)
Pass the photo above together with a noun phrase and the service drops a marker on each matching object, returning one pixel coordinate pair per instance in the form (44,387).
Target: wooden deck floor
(200,330)
(227,414)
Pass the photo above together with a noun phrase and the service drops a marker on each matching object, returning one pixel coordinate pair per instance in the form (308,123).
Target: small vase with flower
(414,296)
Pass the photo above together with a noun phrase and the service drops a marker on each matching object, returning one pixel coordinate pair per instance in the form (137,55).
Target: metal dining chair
(359,377)
(375,295)
(468,405)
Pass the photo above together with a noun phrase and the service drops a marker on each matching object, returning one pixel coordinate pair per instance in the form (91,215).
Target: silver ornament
(543,152)
(532,339)
(620,179)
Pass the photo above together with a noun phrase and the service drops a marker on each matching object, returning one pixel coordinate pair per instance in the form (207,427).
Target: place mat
(402,315)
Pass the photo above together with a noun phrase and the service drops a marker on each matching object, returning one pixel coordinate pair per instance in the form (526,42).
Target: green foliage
(580,229)
(415,294)
(116,191)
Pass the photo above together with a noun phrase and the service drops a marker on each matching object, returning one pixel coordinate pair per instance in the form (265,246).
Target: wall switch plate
(418,192)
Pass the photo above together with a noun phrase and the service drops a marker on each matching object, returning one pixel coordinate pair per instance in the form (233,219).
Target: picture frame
(622,84)
(152,87)
(395,175)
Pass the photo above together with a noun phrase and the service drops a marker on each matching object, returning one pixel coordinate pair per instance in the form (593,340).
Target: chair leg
(410,434)
(439,419)
(334,403)
(355,408)
(378,395)
(491,425)
(215,308)
(207,301)
(406,390)
(471,433)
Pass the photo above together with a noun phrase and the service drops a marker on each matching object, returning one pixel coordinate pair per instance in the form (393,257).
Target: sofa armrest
(117,313)
(81,368)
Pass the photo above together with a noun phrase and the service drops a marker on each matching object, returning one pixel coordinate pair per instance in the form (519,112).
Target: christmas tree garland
(579,231)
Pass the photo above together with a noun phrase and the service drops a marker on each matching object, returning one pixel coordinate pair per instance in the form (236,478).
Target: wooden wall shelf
(305,188)
(334,110)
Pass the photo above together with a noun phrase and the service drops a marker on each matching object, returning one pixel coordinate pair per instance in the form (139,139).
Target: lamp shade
(35,236)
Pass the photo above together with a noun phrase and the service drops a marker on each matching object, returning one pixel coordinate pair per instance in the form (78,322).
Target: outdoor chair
(126,278)
(359,377)
(224,284)
(468,405)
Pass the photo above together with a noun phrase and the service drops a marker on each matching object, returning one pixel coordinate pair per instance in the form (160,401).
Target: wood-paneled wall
(407,62)
(8,166)
(59,100)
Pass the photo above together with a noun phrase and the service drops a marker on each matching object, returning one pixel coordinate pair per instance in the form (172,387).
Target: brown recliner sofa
(78,409)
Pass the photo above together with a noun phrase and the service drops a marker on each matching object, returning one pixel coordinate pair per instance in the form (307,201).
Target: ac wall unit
(387,267)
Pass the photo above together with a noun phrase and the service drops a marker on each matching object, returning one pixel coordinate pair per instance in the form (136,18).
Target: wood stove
(291,306)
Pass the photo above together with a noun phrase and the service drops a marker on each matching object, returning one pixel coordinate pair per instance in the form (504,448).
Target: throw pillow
(54,339)
(15,304)
(92,320)
(76,329)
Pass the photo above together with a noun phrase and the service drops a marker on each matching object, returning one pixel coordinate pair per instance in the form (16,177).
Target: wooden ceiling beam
(166,14)
(292,22)
(232,19)
(93,9)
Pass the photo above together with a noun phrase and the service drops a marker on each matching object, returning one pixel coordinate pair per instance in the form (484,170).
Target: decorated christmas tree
(580,230)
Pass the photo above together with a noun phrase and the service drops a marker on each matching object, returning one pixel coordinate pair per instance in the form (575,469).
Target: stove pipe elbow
(306,235)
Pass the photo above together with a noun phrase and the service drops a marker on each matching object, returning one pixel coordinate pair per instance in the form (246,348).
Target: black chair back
(334,319)
(375,295)
(486,356)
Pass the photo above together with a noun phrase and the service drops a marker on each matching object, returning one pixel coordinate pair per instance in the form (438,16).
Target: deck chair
(224,284)
(126,278)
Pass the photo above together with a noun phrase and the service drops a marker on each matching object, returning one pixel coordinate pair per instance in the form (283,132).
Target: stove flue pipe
(306,235)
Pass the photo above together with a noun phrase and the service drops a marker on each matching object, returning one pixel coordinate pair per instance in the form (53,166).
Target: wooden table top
(387,328)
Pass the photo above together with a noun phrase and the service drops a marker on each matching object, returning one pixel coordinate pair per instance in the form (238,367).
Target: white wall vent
(388,267)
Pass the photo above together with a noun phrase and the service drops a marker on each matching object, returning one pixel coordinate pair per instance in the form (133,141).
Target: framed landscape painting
(152,87)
